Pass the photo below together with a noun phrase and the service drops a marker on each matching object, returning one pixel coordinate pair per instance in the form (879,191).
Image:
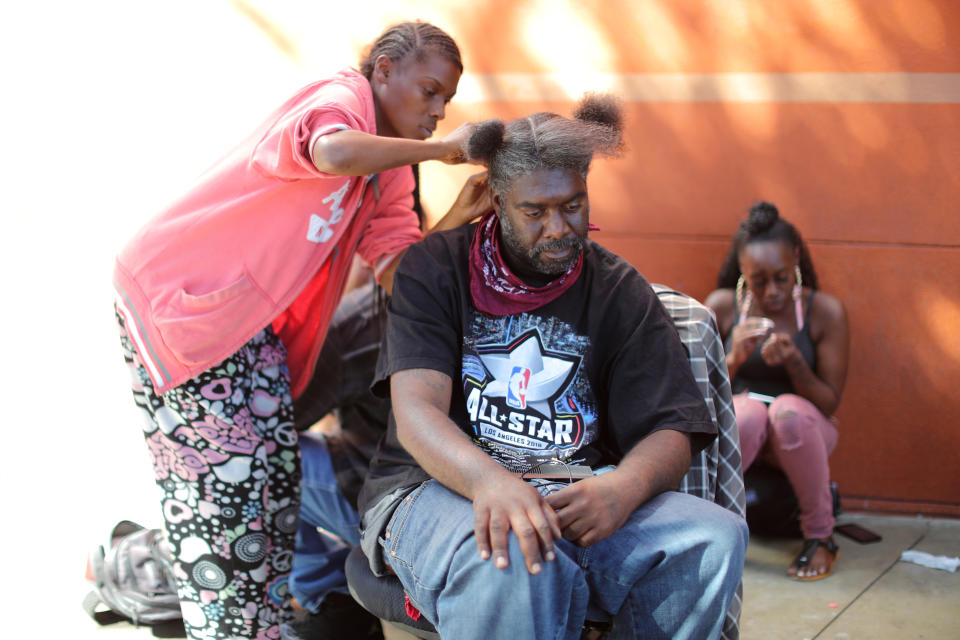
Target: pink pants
(793,435)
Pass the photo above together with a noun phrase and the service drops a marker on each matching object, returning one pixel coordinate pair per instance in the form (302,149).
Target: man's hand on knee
(590,510)
(508,504)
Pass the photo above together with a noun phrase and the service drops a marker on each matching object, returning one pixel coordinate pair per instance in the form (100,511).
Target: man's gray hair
(548,141)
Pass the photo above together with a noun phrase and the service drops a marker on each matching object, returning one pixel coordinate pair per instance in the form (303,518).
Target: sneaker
(339,617)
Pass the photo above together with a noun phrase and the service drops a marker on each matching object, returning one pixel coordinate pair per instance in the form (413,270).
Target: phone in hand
(858,533)
(757,326)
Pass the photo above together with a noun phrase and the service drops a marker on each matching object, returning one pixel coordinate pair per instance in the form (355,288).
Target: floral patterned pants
(226,459)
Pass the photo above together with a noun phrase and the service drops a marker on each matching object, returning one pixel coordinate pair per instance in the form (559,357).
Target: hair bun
(763,215)
(600,108)
(486,138)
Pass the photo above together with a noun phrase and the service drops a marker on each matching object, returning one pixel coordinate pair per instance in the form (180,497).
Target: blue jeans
(669,572)
(319,557)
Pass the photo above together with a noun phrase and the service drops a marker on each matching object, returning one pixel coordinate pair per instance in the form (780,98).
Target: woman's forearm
(355,153)
(807,384)
(733,365)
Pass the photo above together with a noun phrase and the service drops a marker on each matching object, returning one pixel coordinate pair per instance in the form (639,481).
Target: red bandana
(494,289)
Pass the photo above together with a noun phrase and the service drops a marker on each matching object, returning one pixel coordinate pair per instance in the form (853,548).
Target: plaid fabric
(716,473)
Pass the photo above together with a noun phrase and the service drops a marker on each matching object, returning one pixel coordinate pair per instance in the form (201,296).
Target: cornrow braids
(407,38)
(763,224)
(548,141)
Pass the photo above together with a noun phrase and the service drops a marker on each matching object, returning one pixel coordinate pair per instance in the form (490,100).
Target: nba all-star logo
(513,396)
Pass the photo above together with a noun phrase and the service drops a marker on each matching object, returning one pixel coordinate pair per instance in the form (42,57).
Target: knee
(751,423)
(709,549)
(724,549)
(699,526)
(723,534)
(787,416)
(467,560)
(789,406)
(731,534)
(559,580)
(751,415)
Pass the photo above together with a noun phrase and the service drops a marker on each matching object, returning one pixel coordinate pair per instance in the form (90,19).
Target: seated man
(517,348)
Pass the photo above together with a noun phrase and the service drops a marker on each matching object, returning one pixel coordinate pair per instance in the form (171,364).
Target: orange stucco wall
(845,113)
(873,184)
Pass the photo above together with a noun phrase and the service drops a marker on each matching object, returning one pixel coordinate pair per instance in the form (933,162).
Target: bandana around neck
(497,291)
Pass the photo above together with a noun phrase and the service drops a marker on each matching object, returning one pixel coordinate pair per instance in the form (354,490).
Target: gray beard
(530,258)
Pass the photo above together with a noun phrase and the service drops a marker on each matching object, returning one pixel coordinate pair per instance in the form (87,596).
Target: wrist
(794,363)
(440,149)
(628,485)
(487,475)
(733,363)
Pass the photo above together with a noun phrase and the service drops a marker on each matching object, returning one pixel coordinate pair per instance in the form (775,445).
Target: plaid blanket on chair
(716,473)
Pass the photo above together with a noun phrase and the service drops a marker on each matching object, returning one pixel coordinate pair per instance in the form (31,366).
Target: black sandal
(810,547)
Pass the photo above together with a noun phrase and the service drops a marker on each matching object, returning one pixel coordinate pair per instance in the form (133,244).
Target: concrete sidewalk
(871,594)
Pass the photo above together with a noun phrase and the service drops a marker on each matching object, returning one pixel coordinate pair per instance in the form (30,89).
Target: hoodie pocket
(197,326)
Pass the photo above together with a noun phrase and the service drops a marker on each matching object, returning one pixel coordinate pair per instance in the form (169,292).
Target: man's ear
(382,67)
(497,202)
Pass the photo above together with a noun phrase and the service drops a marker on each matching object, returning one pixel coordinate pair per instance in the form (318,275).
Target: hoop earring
(743,297)
(798,286)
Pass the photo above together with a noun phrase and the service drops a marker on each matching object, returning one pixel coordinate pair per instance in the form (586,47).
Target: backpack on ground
(133,579)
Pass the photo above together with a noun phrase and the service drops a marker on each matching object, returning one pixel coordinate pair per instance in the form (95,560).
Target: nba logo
(517,388)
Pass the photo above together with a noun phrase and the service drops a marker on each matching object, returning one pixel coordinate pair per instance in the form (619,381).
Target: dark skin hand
(501,501)
(472,202)
(585,512)
(593,508)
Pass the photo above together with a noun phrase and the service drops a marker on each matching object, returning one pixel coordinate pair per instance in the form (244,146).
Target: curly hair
(763,224)
(548,141)
(406,38)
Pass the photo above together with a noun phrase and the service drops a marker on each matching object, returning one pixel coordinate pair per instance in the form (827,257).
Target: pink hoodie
(264,238)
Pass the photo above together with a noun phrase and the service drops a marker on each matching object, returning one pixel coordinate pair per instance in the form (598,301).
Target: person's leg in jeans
(319,559)
(800,441)
(670,571)
(752,425)
(430,545)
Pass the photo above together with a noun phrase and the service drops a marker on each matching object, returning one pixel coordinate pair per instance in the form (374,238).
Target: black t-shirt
(585,376)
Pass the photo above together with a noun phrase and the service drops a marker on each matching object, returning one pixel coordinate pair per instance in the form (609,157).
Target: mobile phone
(761,397)
(858,533)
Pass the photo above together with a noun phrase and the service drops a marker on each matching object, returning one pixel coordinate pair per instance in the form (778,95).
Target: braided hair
(764,224)
(406,38)
(548,141)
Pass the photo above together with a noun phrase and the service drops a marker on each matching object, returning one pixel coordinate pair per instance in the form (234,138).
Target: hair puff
(485,140)
(602,114)
(763,215)
(600,108)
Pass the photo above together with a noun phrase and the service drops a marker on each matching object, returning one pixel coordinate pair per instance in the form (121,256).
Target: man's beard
(530,258)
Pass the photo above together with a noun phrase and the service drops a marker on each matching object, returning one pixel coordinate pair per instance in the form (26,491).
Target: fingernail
(485,554)
(550,556)
(535,568)
(501,562)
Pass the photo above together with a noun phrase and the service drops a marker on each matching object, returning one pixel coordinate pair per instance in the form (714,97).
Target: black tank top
(757,376)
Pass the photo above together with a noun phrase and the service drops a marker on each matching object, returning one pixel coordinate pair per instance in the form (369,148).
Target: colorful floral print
(226,457)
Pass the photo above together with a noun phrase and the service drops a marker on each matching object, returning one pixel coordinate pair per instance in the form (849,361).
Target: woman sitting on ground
(787,350)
